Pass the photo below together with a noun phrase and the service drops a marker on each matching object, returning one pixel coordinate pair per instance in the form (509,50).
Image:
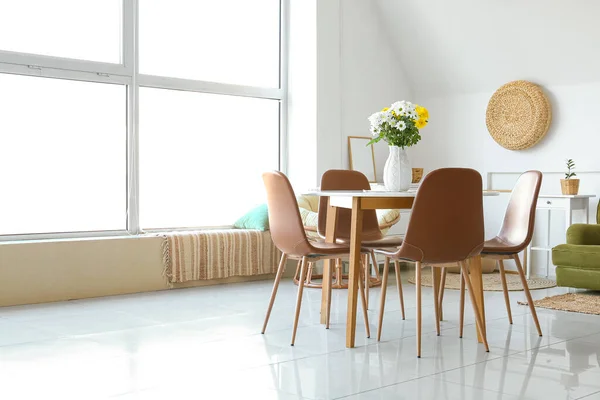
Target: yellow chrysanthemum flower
(420,123)
(385,109)
(422,112)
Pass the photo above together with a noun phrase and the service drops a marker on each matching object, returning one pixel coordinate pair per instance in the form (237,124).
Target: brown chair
(288,235)
(446,226)
(515,235)
(372,238)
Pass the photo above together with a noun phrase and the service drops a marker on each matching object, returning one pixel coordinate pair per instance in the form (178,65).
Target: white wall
(457,134)
(328,85)
(343,68)
(302,94)
(372,76)
(470,46)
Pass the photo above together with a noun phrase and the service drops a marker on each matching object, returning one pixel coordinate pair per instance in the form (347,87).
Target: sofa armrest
(584,234)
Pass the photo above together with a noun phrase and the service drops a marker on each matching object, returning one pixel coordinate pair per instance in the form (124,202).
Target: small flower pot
(569,186)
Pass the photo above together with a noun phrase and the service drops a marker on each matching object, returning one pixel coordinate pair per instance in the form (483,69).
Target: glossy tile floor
(204,343)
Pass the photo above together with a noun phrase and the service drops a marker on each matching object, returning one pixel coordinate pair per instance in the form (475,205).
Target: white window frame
(127,73)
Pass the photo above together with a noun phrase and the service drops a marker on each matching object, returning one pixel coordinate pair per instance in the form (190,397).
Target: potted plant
(569,185)
(399,126)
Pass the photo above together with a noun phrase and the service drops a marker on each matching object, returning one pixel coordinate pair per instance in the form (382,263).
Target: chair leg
(366,267)
(363,300)
(309,273)
(299,298)
(441,296)
(527,293)
(278,276)
(296,274)
(478,318)
(376,268)
(375,265)
(399,284)
(384,281)
(435,278)
(338,272)
(418,290)
(328,312)
(505,290)
(462,304)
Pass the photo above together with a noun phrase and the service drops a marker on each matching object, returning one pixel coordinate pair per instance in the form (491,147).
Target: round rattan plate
(491,282)
(518,115)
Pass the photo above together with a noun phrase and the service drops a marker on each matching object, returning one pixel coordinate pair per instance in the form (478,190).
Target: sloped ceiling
(466,46)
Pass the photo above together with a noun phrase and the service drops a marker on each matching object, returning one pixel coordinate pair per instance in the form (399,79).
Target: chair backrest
(446,223)
(342,179)
(285,223)
(519,218)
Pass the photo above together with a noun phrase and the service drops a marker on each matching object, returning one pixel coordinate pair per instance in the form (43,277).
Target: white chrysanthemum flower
(400,125)
(376,121)
(403,108)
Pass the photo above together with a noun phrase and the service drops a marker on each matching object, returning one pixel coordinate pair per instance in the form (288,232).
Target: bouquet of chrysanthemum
(399,124)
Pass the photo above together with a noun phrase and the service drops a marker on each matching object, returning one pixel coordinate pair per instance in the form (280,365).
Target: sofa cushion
(257,218)
(578,278)
(577,256)
(588,234)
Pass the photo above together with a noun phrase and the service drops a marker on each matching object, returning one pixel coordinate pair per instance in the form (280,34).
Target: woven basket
(518,115)
(569,186)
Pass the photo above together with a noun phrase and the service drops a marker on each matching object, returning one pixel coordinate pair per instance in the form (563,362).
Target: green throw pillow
(257,218)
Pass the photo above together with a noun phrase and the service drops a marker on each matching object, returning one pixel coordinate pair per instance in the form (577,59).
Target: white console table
(567,204)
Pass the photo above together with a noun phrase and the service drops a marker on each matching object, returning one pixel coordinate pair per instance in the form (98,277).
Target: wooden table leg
(477,282)
(354,273)
(328,264)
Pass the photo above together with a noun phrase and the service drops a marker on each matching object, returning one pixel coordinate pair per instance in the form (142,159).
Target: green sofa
(578,261)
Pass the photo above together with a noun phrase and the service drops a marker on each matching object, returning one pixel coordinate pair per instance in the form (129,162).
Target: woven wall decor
(518,115)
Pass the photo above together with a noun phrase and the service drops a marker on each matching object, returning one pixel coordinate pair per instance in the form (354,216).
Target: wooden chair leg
(441,296)
(366,267)
(418,290)
(462,304)
(384,281)
(399,284)
(328,312)
(505,290)
(309,273)
(363,300)
(303,269)
(527,293)
(376,268)
(338,272)
(375,265)
(478,318)
(278,276)
(435,278)
(296,274)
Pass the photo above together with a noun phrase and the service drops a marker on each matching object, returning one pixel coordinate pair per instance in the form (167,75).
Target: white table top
(567,196)
(371,193)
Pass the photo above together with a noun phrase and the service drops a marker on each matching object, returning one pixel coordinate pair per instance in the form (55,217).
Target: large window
(227,41)
(90,146)
(202,155)
(81,29)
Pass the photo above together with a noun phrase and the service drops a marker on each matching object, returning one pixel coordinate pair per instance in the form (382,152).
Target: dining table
(359,201)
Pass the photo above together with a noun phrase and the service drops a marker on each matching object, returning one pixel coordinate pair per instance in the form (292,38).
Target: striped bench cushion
(217,254)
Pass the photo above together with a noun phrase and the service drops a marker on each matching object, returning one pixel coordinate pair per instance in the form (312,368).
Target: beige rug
(585,303)
(491,282)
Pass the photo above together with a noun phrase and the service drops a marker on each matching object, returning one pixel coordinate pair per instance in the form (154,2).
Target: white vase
(397,173)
